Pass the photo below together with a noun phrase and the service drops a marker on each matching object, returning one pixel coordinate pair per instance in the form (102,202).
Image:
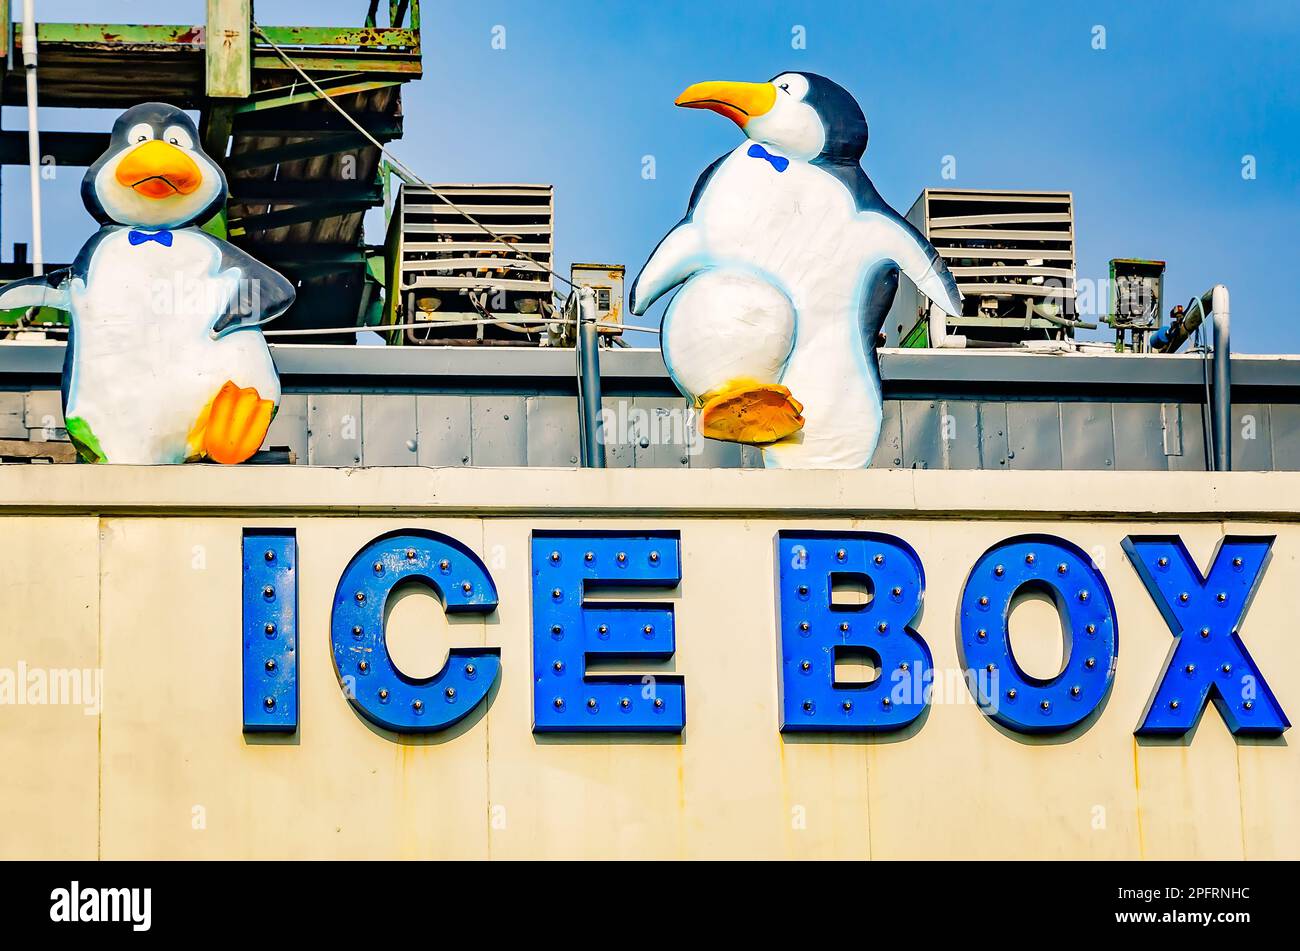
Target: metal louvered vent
(1012,255)
(446,270)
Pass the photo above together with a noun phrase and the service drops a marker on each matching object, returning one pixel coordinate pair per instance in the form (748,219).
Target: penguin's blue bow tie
(140,237)
(778,162)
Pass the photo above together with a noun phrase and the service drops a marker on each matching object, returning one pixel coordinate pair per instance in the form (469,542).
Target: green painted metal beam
(351,259)
(313,148)
(311,255)
(227,52)
(322,61)
(117,34)
(68,148)
(302,122)
(284,193)
(215,126)
(299,94)
(364,36)
(195,35)
(295,216)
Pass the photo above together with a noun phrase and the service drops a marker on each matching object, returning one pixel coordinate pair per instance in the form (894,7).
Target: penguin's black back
(842,118)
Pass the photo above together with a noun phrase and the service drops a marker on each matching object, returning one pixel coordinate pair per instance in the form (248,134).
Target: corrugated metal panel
(553,437)
(1284,426)
(959,434)
(289,428)
(1034,435)
(1193,458)
(664,444)
(1087,436)
(43,415)
(444,427)
(1140,438)
(1171,429)
(620,448)
(922,428)
(1252,439)
(714,454)
(994,443)
(889,451)
(334,429)
(12,425)
(389,434)
(498,431)
(941,434)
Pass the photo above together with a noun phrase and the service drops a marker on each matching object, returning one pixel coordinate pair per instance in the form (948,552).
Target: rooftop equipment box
(1012,255)
(443,268)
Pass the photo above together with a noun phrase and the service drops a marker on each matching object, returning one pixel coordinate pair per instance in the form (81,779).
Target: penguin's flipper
(675,259)
(259,293)
(43,290)
(910,250)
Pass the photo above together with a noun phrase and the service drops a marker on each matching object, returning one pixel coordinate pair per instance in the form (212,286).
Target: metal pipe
(938,330)
(1169,339)
(588,347)
(33,133)
(1218,307)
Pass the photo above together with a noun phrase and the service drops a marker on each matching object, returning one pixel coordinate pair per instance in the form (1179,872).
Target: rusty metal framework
(301,179)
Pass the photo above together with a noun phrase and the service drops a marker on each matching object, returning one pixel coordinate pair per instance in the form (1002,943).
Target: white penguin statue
(165,362)
(789,259)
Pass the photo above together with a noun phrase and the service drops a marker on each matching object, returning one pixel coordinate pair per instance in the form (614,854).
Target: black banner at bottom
(368,899)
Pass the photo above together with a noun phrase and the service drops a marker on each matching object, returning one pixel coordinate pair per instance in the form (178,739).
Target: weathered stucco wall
(137,572)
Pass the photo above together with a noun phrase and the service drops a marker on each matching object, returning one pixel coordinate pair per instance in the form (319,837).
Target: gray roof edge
(912,370)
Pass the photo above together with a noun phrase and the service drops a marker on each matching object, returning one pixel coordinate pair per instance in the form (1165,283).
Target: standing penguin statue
(165,362)
(789,259)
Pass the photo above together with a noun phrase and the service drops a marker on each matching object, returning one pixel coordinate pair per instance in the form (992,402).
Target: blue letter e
(568,631)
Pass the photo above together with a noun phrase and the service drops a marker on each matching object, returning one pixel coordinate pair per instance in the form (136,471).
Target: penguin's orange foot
(751,413)
(235,425)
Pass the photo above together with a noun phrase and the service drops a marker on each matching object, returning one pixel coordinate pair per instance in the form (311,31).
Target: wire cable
(435,324)
(380,328)
(400,166)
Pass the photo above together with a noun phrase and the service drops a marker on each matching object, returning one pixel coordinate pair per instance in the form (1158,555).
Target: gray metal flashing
(513,406)
(906,373)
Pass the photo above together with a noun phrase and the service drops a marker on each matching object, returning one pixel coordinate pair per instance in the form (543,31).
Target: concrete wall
(137,572)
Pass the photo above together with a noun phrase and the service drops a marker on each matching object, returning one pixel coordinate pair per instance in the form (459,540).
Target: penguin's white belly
(145,364)
(800,230)
(790,224)
(726,325)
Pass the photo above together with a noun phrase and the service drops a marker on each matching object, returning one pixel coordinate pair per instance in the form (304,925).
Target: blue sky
(1149,133)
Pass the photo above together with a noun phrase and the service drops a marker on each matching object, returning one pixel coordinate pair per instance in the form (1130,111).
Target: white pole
(33,132)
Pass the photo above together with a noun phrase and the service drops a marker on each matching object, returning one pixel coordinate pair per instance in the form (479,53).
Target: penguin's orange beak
(158,169)
(739,102)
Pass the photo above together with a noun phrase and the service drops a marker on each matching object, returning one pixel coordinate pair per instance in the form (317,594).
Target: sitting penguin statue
(789,261)
(165,362)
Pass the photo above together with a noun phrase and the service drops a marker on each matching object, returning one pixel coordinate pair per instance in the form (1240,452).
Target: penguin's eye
(142,132)
(179,136)
(785,87)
